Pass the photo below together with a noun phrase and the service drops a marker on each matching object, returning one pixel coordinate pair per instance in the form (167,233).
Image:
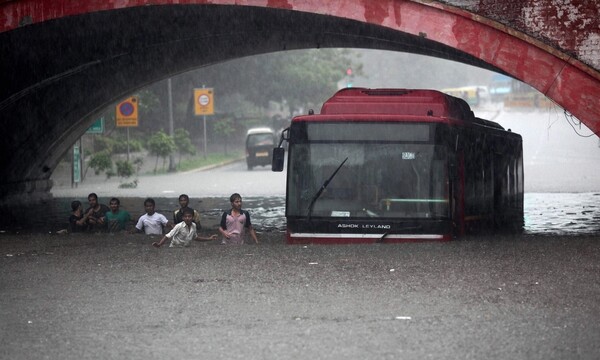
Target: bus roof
(397,102)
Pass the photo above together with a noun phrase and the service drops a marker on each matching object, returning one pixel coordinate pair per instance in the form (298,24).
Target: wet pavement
(117,297)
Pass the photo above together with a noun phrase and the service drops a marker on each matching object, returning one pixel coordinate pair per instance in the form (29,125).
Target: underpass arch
(105,55)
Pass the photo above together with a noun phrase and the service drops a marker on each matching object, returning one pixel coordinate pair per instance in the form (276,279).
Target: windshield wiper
(385,234)
(382,238)
(314,199)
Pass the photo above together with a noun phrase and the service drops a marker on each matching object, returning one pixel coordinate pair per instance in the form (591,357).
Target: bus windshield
(394,178)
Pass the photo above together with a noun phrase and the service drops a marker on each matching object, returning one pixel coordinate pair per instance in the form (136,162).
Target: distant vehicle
(396,165)
(516,94)
(259,147)
(500,87)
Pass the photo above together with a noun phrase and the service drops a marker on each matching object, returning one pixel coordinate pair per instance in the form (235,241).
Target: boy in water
(184,232)
(151,223)
(235,222)
(96,214)
(184,201)
(78,220)
(117,219)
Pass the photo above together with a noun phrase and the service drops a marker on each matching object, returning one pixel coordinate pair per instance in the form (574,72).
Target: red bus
(396,165)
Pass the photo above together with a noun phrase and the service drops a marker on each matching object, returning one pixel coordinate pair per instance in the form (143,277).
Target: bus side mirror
(278,159)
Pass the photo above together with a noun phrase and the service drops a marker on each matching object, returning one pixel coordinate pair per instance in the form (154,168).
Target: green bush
(101,161)
(103,143)
(120,146)
(129,185)
(138,162)
(124,168)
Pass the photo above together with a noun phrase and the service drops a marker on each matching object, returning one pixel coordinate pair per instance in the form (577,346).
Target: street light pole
(171,131)
(204,122)
(204,136)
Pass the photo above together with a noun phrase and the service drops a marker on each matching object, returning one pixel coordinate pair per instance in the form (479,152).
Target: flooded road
(560,214)
(263,192)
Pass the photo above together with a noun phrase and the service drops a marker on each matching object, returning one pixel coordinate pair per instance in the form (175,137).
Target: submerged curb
(212,166)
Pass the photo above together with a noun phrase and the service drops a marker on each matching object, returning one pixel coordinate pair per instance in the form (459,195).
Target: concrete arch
(63,62)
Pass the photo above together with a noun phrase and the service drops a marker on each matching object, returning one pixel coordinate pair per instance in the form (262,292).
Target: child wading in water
(234,223)
(78,219)
(184,232)
(151,223)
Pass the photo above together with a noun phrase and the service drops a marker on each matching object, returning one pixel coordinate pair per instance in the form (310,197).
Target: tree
(183,143)
(124,168)
(308,78)
(223,128)
(396,69)
(161,145)
(299,78)
(101,161)
(151,109)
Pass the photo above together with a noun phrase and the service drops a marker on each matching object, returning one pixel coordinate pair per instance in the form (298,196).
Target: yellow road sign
(127,112)
(203,101)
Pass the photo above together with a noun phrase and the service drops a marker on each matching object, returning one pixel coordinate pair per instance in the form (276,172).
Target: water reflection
(545,213)
(562,213)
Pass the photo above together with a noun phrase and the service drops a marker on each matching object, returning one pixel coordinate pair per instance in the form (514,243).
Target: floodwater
(550,214)
(562,213)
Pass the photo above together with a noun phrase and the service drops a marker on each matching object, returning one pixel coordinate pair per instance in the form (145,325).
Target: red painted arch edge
(570,83)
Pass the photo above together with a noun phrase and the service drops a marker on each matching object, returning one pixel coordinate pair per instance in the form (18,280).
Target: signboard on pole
(76,165)
(204,101)
(97,127)
(127,112)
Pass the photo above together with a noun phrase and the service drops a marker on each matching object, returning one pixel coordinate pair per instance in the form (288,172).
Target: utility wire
(573,121)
